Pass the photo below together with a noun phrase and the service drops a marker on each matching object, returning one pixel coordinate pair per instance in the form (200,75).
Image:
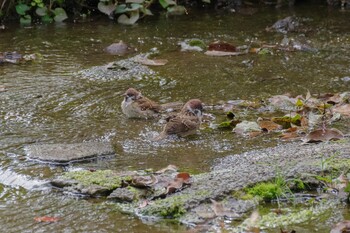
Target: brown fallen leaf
(254,134)
(331,98)
(343,109)
(170,167)
(174,185)
(268,125)
(185,176)
(286,136)
(323,135)
(341,227)
(46,219)
(180,180)
(221,46)
(144,181)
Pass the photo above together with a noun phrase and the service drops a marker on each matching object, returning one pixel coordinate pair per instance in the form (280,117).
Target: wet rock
(91,183)
(120,70)
(193,205)
(245,127)
(119,49)
(10,57)
(128,194)
(63,153)
(285,25)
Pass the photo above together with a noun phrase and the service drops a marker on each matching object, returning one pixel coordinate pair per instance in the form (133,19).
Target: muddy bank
(192,204)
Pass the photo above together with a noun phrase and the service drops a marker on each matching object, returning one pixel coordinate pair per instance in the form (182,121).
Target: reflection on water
(47,102)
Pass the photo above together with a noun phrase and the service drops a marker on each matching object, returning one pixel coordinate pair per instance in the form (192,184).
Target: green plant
(47,10)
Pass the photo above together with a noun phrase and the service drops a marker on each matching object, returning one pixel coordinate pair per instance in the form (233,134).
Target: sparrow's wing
(146,104)
(181,125)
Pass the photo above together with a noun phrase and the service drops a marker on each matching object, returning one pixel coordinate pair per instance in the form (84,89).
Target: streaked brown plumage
(185,123)
(135,105)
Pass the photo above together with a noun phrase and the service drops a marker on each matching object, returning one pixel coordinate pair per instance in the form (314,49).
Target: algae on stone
(104,178)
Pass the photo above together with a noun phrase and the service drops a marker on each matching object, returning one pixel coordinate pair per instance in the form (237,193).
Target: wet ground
(48,101)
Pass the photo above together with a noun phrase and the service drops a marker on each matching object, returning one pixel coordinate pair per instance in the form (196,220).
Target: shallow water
(48,102)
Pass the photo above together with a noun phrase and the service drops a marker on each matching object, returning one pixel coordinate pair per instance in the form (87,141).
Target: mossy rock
(104,178)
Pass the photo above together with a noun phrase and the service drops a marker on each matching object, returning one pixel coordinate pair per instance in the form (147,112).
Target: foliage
(126,12)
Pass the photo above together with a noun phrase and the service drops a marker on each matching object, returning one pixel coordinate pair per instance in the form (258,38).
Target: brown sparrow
(186,122)
(135,105)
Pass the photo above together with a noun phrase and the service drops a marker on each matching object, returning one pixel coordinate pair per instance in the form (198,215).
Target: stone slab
(63,153)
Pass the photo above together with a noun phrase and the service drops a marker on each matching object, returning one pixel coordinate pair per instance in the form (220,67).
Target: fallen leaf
(170,167)
(343,109)
(144,181)
(184,176)
(222,46)
(46,219)
(174,185)
(268,125)
(289,136)
(341,227)
(179,181)
(323,135)
(255,134)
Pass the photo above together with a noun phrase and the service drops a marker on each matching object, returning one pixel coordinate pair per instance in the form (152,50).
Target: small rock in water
(119,48)
(63,153)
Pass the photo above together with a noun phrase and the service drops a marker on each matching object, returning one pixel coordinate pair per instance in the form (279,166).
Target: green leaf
(206,1)
(133,7)
(22,8)
(26,19)
(60,14)
(47,19)
(176,10)
(124,19)
(120,9)
(299,103)
(41,11)
(166,3)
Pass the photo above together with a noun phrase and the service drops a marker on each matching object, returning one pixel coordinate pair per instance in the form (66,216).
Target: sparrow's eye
(197,112)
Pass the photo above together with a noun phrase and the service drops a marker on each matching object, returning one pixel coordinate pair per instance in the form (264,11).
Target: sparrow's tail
(160,137)
(171,107)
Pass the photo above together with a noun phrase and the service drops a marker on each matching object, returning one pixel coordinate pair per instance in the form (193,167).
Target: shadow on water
(47,102)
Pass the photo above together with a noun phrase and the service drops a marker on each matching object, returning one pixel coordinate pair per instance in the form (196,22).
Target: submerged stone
(63,153)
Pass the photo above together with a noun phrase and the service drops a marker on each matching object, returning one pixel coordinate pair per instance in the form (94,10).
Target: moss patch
(266,191)
(104,178)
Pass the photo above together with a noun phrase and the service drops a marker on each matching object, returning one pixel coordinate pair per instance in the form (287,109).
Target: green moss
(267,191)
(173,206)
(104,178)
(198,43)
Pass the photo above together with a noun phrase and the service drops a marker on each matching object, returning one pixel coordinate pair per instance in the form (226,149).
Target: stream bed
(50,101)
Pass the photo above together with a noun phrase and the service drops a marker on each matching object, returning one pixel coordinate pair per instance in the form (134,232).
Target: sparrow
(135,105)
(186,122)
